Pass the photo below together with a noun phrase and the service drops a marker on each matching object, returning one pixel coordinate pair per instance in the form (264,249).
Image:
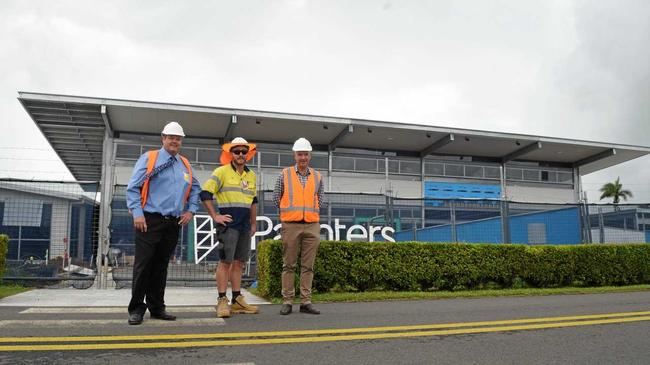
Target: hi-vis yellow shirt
(234,193)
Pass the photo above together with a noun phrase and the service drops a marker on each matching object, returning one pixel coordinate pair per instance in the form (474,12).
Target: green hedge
(4,246)
(416,266)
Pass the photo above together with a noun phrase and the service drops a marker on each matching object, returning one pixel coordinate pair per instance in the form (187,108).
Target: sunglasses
(239,152)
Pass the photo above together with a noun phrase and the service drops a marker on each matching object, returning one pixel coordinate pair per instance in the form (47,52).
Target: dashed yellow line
(325,335)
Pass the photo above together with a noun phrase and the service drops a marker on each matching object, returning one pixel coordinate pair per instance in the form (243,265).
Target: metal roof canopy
(75,127)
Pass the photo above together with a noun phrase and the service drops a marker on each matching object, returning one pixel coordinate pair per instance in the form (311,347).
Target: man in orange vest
(162,195)
(299,195)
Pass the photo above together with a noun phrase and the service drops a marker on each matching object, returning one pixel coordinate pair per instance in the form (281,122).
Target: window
(343,163)
(208,155)
(492,172)
(361,212)
(514,174)
(342,212)
(473,171)
(319,162)
(409,167)
(531,175)
(127,151)
(454,170)
(189,153)
(366,164)
(565,177)
(287,159)
(544,175)
(393,166)
(269,159)
(431,168)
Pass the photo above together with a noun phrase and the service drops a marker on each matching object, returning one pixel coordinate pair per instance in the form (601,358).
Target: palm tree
(615,190)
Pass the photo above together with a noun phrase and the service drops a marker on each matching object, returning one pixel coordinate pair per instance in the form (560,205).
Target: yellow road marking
(332,331)
(369,336)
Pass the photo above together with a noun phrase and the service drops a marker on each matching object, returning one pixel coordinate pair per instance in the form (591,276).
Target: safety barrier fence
(53,229)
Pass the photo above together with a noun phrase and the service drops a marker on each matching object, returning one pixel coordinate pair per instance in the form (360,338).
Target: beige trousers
(303,238)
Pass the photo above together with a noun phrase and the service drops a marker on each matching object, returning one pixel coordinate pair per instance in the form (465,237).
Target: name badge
(186,176)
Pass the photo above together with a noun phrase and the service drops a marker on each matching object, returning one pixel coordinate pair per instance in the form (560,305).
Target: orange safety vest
(300,203)
(152,157)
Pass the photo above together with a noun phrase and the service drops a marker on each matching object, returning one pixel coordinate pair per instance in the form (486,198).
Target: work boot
(222,308)
(308,308)
(286,309)
(239,305)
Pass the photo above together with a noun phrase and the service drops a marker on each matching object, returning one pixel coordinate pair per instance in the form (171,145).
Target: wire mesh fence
(53,229)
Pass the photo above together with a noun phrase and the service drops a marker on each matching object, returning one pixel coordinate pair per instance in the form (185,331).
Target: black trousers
(152,252)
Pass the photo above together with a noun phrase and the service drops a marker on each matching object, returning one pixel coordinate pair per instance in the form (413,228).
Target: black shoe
(135,318)
(164,315)
(286,309)
(308,308)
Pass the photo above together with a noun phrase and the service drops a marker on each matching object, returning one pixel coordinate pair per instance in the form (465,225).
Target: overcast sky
(570,69)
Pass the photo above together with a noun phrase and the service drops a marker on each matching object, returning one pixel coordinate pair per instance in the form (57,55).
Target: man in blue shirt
(161,196)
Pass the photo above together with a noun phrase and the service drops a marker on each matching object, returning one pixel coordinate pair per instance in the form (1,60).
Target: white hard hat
(238,141)
(173,129)
(301,144)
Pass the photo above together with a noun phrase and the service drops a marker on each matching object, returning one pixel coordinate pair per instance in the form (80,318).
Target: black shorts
(234,245)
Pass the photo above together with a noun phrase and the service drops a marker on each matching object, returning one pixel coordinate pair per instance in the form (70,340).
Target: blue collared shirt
(166,189)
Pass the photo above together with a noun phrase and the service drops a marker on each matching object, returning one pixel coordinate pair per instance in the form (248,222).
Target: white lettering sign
(205,241)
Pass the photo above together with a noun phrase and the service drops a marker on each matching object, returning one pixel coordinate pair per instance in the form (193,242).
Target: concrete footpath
(174,296)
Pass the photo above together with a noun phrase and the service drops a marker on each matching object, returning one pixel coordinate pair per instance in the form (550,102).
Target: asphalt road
(577,329)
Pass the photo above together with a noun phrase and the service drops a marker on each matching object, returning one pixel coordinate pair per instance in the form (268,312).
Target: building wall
(528,193)
(351,174)
(60,217)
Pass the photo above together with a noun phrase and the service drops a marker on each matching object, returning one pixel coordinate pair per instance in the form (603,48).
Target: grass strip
(8,290)
(371,296)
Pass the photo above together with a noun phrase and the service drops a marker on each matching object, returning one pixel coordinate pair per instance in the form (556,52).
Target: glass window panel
(270,209)
(381,165)
(544,175)
(190,153)
(492,172)
(287,160)
(366,164)
(437,169)
(407,226)
(12,253)
(565,177)
(514,174)
(319,162)
(532,175)
(473,171)
(209,155)
(269,159)
(437,214)
(393,166)
(342,212)
(127,151)
(365,212)
(118,204)
(11,231)
(150,148)
(454,170)
(22,212)
(409,167)
(405,213)
(34,248)
(343,163)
